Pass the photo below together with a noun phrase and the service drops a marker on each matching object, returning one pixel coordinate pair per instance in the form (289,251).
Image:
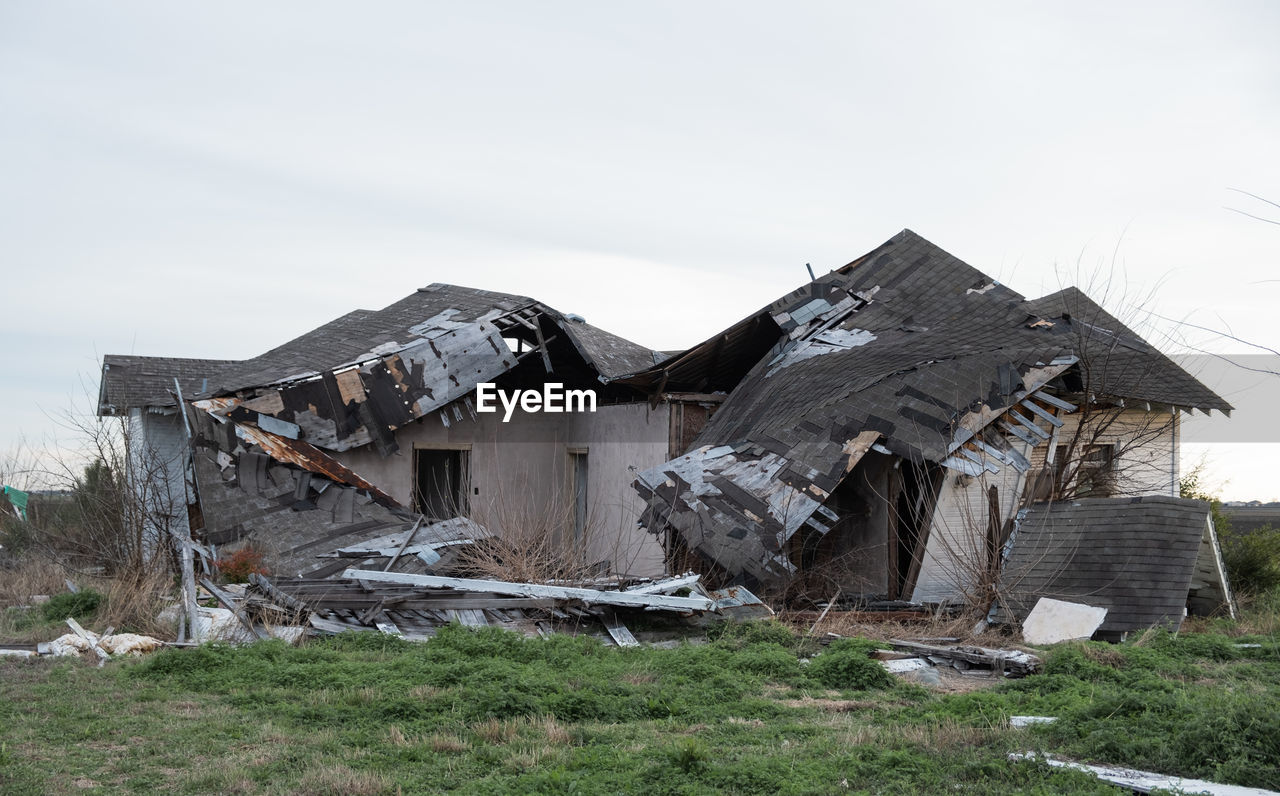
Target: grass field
(492,712)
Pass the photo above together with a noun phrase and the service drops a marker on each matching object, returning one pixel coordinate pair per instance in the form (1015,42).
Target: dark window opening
(441,481)
(1094,471)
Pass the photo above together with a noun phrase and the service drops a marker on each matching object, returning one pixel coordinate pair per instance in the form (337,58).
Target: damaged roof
(906,347)
(610,354)
(362,335)
(131,381)
(359,336)
(1143,559)
(354,380)
(1115,361)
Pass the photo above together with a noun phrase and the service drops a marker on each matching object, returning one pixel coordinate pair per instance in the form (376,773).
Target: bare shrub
(535,539)
(105,504)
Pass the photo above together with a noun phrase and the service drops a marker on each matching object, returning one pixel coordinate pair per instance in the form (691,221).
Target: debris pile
(80,642)
(414,606)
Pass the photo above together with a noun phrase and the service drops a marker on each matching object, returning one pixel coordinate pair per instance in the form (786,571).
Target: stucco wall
(519,472)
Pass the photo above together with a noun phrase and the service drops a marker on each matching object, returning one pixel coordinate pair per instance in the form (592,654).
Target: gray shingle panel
(130,382)
(1134,557)
(610,354)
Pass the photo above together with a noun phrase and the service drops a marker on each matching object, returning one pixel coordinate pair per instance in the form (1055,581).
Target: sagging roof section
(1143,559)
(353,381)
(908,347)
(267,430)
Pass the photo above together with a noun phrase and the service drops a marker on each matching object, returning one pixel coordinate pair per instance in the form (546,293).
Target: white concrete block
(1052,621)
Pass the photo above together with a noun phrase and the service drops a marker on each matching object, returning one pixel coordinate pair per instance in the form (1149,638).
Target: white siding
(956,548)
(1146,464)
(1146,445)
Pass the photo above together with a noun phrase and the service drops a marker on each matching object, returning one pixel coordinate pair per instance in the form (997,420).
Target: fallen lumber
(1146,781)
(1014,662)
(263,584)
(665,585)
(230,605)
(93,640)
(590,596)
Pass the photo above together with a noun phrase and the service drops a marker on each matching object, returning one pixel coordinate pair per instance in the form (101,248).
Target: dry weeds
(831,705)
(848,624)
(33,575)
(337,780)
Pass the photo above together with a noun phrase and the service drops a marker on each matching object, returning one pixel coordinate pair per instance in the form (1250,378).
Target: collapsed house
(348,433)
(886,422)
(875,433)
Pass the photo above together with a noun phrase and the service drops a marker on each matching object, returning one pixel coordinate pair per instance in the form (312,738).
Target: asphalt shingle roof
(1135,557)
(133,381)
(130,381)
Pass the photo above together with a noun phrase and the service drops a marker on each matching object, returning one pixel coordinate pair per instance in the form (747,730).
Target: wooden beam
(1041,395)
(412,532)
(1041,411)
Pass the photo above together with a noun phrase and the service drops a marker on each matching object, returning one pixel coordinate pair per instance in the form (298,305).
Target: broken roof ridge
(848,279)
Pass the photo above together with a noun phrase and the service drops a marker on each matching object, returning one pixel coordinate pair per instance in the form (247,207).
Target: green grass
(491,712)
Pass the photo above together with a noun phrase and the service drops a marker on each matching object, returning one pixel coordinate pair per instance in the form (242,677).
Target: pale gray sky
(212,179)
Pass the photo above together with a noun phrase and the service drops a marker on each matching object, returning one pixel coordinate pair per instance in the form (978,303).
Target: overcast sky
(209,180)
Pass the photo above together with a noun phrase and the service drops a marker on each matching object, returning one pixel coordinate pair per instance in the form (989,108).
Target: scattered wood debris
(415,606)
(1010,663)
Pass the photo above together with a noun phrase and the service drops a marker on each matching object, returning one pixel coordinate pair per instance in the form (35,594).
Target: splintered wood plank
(1015,661)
